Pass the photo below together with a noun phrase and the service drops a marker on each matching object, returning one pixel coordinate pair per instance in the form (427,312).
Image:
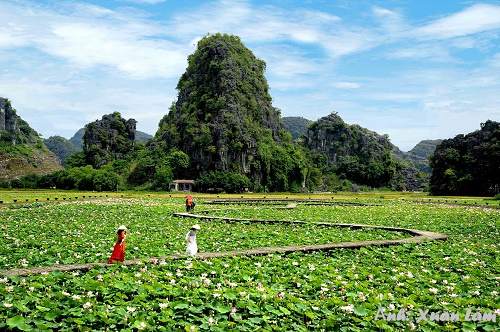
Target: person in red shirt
(118,254)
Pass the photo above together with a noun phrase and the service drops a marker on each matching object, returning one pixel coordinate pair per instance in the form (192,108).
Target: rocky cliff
(22,152)
(223,110)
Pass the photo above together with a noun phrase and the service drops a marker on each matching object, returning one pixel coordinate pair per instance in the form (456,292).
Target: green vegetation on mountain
(349,153)
(296,125)
(77,138)
(468,164)
(108,139)
(61,147)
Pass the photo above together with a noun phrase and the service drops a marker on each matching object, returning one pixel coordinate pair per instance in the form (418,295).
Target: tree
(222,181)
(163,177)
(104,180)
(179,163)
(77,159)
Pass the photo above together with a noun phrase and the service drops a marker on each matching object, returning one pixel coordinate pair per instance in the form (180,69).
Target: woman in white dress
(192,247)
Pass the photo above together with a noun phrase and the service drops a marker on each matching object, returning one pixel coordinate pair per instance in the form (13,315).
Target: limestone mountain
(22,152)
(223,118)
(142,137)
(359,154)
(77,139)
(425,148)
(108,139)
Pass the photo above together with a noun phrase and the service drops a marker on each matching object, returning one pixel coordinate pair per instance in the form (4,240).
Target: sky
(411,69)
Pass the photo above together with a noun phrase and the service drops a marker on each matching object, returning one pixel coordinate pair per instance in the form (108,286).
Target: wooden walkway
(418,236)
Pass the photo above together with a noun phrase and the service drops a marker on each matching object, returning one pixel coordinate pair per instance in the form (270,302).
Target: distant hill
(418,157)
(61,147)
(142,137)
(296,125)
(77,138)
(425,148)
(22,152)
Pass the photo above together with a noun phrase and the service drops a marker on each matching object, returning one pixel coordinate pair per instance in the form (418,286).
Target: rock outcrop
(22,152)
(331,136)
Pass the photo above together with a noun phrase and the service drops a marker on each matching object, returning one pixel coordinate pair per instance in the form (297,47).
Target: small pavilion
(182,185)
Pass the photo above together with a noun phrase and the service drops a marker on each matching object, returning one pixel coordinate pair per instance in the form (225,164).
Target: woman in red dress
(118,254)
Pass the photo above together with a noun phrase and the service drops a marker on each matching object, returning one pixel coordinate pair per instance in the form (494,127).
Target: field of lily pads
(434,286)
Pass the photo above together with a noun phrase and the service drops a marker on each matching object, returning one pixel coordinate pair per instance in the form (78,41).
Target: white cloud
(472,20)
(432,51)
(346,85)
(92,46)
(84,38)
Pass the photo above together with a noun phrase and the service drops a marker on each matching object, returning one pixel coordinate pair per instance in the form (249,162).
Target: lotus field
(450,285)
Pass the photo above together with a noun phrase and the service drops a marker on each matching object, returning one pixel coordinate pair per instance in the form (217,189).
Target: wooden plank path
(418,236)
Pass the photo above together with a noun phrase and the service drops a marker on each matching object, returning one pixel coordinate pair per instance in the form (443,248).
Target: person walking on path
(118,254)
(192,247)
(190,203)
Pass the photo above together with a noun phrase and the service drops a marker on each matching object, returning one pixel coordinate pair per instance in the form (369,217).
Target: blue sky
(414,70)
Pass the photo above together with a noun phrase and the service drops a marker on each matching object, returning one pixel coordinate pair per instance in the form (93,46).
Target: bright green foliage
(283,167)
(82,178)
(143,170)
(104,180)
(163,177)
(179,162)
(468,165)
(223,181)
(76,160)
(30,181)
